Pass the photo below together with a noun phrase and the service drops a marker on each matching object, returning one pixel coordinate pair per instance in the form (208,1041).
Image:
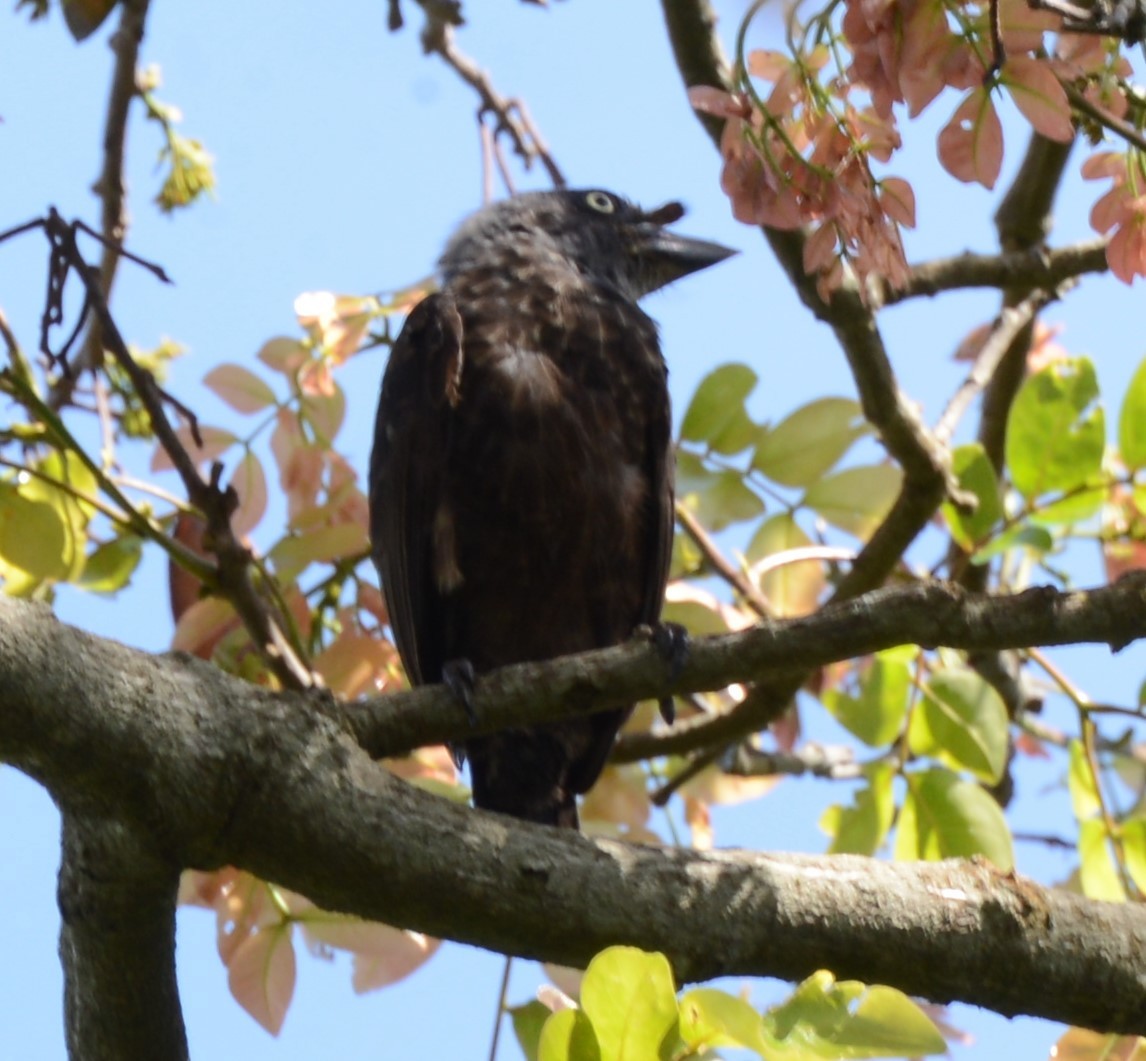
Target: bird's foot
(671,641)
(458,676)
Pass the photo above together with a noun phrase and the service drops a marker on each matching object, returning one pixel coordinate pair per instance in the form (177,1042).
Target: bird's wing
(411,434)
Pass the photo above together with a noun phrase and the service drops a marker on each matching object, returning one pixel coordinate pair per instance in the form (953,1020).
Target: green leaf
(110,566)
(710,1019)
(1080,781)
(1074,507)
(716,415)
(528,1022)
(1056,432)
(296,551)
(962,722)
(1035,540)
(629,997)
(805,445)
(717,498)
(860,829)
(856,500)
(876,715)
(945,817)
(568,1036)
(847,1019)
(1097,873)
(975,473)
(1132,422)
(1134,848)
(33,537)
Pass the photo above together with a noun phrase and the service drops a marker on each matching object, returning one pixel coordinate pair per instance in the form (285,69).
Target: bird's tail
(525,774)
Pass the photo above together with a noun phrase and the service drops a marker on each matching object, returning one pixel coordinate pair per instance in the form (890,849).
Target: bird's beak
(665,256)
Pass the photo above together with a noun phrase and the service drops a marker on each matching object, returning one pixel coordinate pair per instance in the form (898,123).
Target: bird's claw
(458,676)
(671,641)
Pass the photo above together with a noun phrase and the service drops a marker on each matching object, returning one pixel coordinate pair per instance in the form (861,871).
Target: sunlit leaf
(876,714)
(1134,848)
(824,1018)
(383,955)
(1081,1044)
(1097,872)
(1056,431)
(711,1019)
(860,829)
(1080,782)
(856,500)
(976,474)
(110,566)
(629,997)
(1132,421)
(33,536)
(806,445)
(1035,540)
(945,817)
(569,1036)
(962,721)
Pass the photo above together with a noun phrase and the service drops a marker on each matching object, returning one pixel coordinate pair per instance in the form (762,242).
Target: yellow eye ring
(600,201)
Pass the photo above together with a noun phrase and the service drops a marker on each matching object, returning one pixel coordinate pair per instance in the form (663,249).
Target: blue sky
(344,159)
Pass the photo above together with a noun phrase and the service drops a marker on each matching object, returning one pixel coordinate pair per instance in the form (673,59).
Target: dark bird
(521,484)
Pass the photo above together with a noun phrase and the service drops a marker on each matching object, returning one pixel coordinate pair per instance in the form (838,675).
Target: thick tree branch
(117,942)
(212,771)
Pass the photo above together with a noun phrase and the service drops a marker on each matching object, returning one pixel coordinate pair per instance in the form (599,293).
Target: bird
(521,477)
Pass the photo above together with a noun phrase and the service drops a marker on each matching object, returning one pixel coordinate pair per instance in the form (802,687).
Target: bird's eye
(600,201)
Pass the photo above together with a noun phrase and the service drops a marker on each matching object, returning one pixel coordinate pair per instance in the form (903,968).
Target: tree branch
(117,943)
(1032,267)
(225,773)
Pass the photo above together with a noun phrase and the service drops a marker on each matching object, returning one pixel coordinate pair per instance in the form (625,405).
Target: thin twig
(721,565)
(512,118)
(1011,322)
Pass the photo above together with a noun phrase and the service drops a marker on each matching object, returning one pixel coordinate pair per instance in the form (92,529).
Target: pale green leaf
(1134,848)
(710,1019)
(629,997)
(716,415)
(716,497)
(33,536)
(962,721)
(1097,872)
(1080,781)
(860,829)
(110,566)
(945,817)
(876,715)
(807,444)
(856,500)
(568,1036)
(1132,422)
(528,1022)
(976,474)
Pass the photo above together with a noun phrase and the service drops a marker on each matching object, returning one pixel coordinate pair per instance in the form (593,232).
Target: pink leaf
(1039,95)
(971,143)
(1105,164)
(202,625)
(250,484)
(897,198)
(240,388)
(283,355)
(261,975)
(382,955)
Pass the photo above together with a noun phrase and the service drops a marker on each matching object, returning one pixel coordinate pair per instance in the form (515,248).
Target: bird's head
(602,235)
